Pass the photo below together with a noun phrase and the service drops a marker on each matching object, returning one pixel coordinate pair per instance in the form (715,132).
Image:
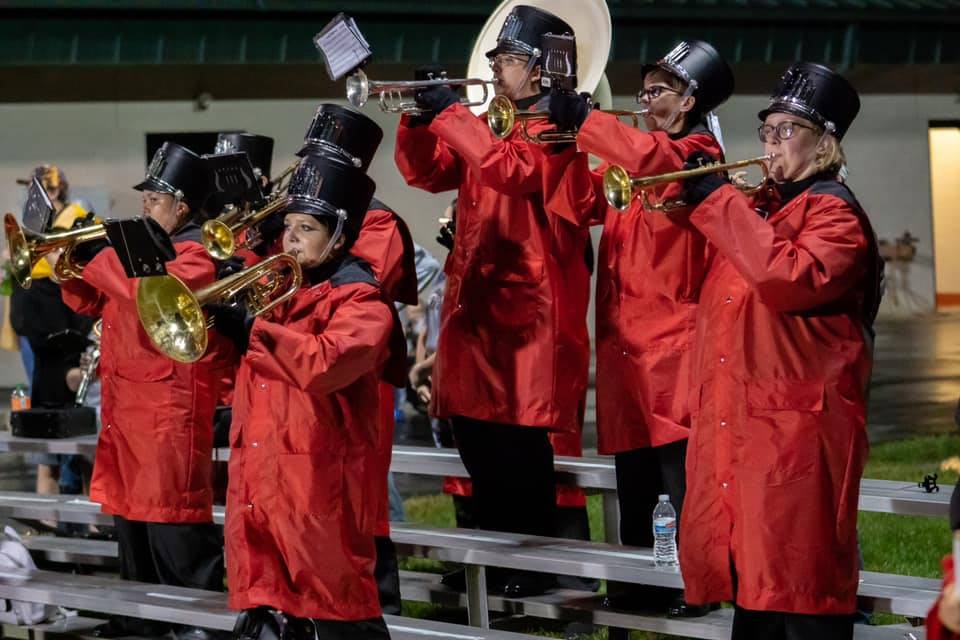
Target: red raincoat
(304,476)
(513,344)
(780,372)
(647,273)
(935,629)
(154,452)
(386,245)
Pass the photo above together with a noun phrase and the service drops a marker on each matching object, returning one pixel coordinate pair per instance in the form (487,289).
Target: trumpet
(620,189)
(172,315)
(360,88)
(219,235)
(502,117)
(27,247)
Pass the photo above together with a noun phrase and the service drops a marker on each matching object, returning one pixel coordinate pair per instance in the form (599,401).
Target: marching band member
(781,363)
(646,278)
(302,501)
(384,243)
(513,349)
(153,461)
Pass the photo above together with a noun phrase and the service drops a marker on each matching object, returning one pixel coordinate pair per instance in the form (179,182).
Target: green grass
(908,545)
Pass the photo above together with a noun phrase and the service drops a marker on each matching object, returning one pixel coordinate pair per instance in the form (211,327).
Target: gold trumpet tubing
(231,287)
(279,184)
(643,184)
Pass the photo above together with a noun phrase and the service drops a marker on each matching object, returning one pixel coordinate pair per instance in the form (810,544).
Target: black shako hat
(523,29)
(817,93)
(258,148)
(324,186)
(180,172)
(343,132)
(696,61)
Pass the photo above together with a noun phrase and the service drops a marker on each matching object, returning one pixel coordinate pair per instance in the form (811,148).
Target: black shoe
(680,609)
(524,585)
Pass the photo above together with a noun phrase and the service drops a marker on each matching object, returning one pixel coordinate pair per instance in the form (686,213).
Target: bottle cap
(664,497)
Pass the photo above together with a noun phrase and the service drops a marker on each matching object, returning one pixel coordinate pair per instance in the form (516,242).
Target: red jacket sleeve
(819,265)
(935,628)
(82,297)
(511,166)
(572,190)
(424,160)
(104,277)
(639,152)
(353,343)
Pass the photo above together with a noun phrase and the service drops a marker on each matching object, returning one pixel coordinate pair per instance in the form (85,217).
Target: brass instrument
(172,315)
(219,235)
(28,247)
(502,117)
(91,367)
(360,88)
(620,189)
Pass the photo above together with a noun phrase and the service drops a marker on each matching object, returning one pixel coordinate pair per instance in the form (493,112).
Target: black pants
(263,623)
(642,475)
(183,555)
(511,467)
(387,574)
(774,625)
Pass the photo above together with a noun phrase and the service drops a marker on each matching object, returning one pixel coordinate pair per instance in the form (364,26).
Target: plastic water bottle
(665,533)
(19,400)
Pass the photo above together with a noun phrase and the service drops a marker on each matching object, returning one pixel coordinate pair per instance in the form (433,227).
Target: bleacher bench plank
(592,474)
(580,606)
(179,605)
(901,595)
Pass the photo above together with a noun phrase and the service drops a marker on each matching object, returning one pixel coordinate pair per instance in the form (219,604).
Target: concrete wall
(101,147)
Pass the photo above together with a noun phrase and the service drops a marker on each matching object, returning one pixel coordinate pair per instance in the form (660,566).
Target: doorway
(945,199)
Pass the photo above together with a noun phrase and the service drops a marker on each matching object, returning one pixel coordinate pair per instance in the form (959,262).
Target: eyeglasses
(654,92)
(782,131)
(506,60)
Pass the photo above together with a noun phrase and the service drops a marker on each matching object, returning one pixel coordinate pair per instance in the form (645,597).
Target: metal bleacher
(476,550)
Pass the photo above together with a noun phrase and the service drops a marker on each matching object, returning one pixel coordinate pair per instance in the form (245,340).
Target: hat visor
(780,107)
(150,184)
(507,47)
(308,207)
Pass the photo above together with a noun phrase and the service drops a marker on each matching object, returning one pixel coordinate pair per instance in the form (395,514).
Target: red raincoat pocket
(780,438)
(145,369)
(511,298)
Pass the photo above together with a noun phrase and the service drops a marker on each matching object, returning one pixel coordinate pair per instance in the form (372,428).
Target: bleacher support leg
(611,517)
(478,613)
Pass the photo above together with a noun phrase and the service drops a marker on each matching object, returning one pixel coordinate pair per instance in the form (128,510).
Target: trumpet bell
(501,116)
(358,89)
(617,187)
(218,239)
(21,258)
(172,317)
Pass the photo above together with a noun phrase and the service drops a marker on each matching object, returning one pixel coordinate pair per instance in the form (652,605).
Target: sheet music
(342,46)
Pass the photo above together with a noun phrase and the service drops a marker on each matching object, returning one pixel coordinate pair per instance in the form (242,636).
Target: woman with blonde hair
(781,363)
